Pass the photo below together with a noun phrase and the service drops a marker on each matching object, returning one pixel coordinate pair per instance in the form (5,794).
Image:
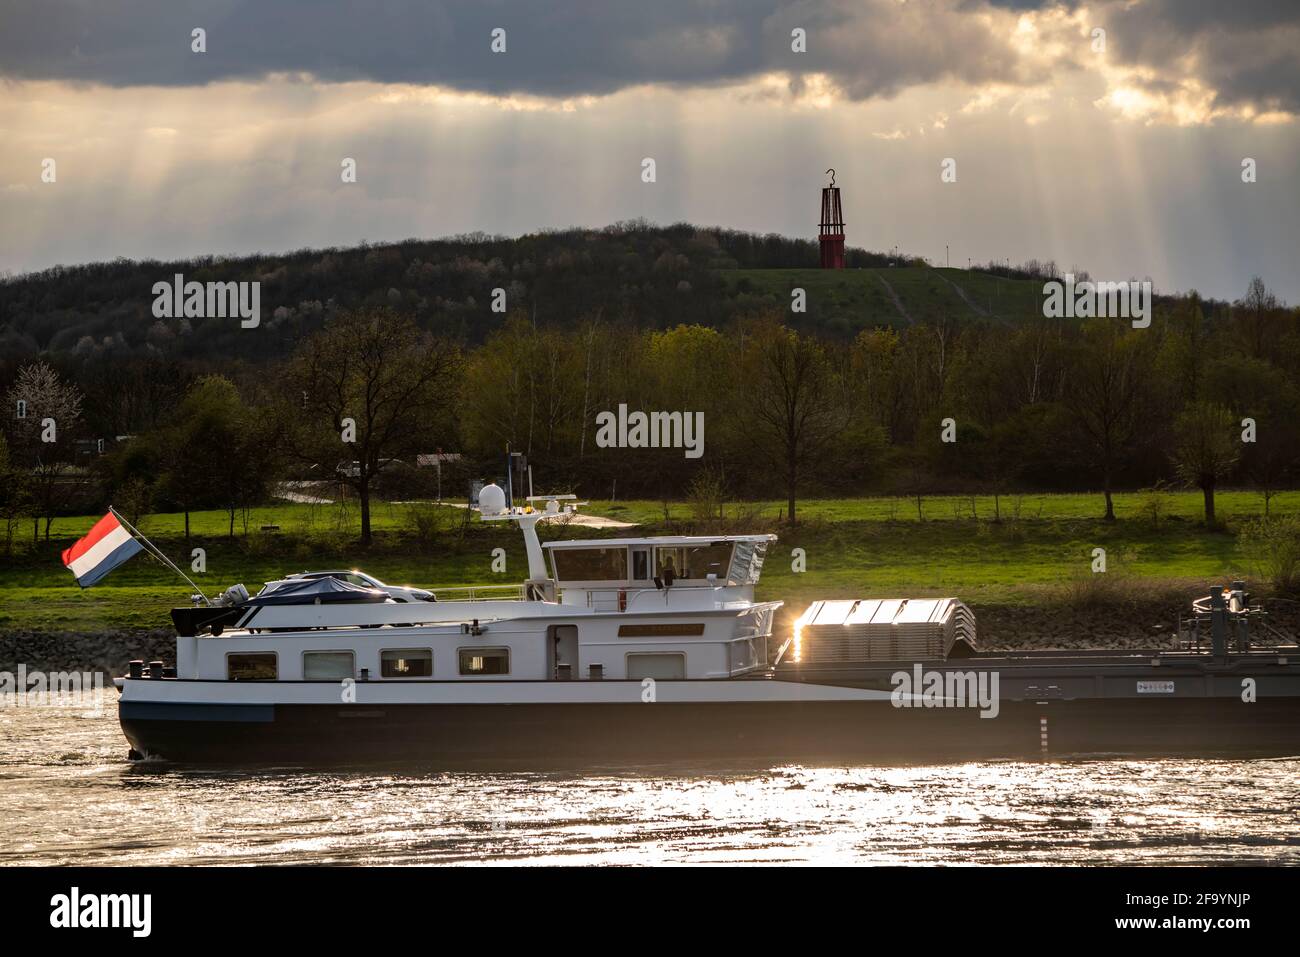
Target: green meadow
(854,299)
(1037,552)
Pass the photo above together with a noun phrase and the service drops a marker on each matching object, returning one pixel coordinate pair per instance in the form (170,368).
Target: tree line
(1200,398)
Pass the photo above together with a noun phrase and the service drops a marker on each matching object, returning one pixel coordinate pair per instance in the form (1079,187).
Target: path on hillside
(300,492)
(304,493)
(574,518)
(962,292)
(898,303)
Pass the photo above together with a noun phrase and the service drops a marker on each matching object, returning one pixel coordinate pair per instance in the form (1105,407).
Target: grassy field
(853,547)
(855,299)
(1187,507)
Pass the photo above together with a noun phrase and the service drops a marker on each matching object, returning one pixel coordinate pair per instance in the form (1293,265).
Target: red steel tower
(832,227)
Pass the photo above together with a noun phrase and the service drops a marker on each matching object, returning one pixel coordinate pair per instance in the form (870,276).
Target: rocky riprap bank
(1127,625)
(1123,625)
(106,652)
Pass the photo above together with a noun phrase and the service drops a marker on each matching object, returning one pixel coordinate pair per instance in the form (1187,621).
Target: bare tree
(1260,314)
(372,386)
(13,498)
(44,414)
(1271,460)
(1104,394)
(589,334)
(787,397)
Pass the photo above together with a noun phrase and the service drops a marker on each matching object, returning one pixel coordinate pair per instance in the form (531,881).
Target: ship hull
(543,734)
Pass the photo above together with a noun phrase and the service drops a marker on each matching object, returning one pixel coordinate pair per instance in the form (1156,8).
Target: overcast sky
(1125,160)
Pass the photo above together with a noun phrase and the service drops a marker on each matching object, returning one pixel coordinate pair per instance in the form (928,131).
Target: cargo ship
(654,650)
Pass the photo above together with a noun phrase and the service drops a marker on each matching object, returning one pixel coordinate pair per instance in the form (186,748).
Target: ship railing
(1195,634)
(480,593)
(615,599)
(624,598)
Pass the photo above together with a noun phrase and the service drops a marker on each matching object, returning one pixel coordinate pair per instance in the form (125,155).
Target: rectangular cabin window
(705,560)
(670,630)
(641,564)
(406,663)
(694,563)
(485,661)
(254,666)
(590,564)
(670,667)
(328,665)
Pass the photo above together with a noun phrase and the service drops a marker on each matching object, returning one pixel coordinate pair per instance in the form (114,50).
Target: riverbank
(1040,561)
(105,652)
(1030,566)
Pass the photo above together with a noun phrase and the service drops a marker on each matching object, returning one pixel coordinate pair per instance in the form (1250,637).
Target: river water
(69,796)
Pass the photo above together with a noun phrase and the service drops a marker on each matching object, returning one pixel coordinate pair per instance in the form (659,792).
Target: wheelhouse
(733,561)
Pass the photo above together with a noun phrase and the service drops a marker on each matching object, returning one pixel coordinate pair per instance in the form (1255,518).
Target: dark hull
(541,735)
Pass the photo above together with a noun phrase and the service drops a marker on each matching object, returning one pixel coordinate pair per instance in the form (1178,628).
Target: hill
(648,276)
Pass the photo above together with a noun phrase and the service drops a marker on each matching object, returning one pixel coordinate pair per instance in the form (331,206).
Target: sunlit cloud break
(162,151)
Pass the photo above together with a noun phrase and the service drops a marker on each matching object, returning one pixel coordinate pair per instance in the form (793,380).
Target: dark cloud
(870,46)
(1245,50)
(1248,53)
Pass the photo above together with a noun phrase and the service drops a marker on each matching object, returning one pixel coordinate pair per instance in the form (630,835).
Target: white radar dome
(491,499)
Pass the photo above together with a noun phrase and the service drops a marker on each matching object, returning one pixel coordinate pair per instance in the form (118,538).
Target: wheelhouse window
(251,666)
(747,562)
(641,564)
(484,661)
(406,663)
(328,665)
(694,562)
(590,564)
(661,667)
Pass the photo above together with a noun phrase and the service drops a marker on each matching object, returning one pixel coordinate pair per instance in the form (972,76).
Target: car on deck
(356,577)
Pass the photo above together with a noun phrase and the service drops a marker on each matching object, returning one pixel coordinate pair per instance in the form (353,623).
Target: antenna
(493,508)
(553,507)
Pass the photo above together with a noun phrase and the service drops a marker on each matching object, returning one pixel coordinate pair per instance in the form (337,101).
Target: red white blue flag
(108,545)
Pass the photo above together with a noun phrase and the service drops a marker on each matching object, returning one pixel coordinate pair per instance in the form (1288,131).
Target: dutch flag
(108,545)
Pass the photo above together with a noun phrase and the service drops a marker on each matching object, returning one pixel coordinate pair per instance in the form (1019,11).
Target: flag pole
(156,553)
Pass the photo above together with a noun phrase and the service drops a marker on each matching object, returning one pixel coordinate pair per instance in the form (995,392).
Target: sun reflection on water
(68,796)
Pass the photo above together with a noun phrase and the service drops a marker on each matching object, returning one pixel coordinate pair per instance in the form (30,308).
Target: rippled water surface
(68,796)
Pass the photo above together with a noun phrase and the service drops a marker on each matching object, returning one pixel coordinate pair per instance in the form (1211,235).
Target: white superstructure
(672,607)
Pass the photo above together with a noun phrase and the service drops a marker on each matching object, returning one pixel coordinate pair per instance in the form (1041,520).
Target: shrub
(1085,588)
(1272,546)
(427,523)
(1154,502)
(134,499)
(705,495)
